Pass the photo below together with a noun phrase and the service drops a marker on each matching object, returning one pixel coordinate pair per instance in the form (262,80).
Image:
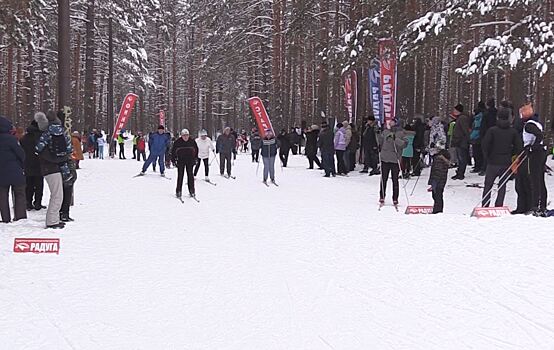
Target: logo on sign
(491,212)
(36,245)
(421,209)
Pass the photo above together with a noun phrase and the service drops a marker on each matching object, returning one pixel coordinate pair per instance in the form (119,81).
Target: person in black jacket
(311,146)
(33,177)
(284,141)
(326,144)
(184,154)
(439,176)
(12,158)
(370,148)
(419,145)
(488,121)
(500,144)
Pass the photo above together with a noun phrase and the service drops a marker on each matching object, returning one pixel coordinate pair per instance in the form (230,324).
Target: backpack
(58,145)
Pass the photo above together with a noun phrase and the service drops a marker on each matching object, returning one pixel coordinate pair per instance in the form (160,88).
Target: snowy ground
(309,265)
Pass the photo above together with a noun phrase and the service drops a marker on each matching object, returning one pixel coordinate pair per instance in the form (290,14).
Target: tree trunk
(64,67)
(89,99)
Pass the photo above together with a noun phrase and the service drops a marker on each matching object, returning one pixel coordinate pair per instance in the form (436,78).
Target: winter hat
(185,132)
(41,120)
(339,125)
(371,118)
(161,127)
(459,107)
(504,113)
(315,127)
(5,125)
(53,118)
(203,132)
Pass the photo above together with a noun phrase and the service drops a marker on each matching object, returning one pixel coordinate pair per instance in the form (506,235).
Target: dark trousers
(225,162)
(406,166)
(284,156)
(190,177)
(152,160)
(206,166)
(462,154)
(256,155)
(134,151)
(294,149)
(312,158)
(494,172)
(121,151)
(67,197)
(438,199)
(351,159)
(478,156)
(370,159)
(537,161)
(33,190)
(139,153)
(20,209)
(341,166)
(328,162)
(394,170)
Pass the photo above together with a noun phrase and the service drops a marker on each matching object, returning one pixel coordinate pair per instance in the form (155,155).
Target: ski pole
(381,168)
(418,176)
(503,179)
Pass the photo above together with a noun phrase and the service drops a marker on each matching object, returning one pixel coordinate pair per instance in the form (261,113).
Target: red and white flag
(260,114)
(387,54)
(124,113)
(351,94)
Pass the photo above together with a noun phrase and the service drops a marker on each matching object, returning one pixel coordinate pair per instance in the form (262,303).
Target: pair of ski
(164,177)
(229,177)
(192,197)
(273,182)
(382,204)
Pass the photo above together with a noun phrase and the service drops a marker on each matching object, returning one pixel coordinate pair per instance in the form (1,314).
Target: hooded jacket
(392,144)
(29,142)
(340,139)
(50,163)
(12,157)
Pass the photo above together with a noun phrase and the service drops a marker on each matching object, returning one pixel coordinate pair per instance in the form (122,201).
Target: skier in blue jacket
(158,143)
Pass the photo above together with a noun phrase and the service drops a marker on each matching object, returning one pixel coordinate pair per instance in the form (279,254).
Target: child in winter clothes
(438,177)
(408,152)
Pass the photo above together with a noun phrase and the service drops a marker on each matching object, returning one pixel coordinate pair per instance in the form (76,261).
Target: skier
(327,147)
(158,143)
(370,148)
(12,159)
(340,149)
(439,175)
(285,145)
(311,146)
(255,144)
(475,139)
(33,177)
(392,143)
(205,145)
(225,146)
(184,153)
(500,144)
(530,182)
(460,140)
(269,152)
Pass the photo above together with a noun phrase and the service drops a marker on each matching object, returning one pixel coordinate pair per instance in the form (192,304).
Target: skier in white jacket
(205,145)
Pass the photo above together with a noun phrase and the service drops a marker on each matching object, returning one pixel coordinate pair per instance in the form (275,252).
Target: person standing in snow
(121,142)
(158,143)
(500,144)
(392,143)
(418,145)
(141,147)
(311,146)
(460,140)
(256,145)
(269,152)
(340,149)
(101,142)
(184,153)
(370,148)
(12,175)
(437,135)
(352,147)
(475,139)
(225,146)
(439,176)
(285,145)
(77,154)
(205,145)
(530,181)
(488,121)
(33,176)
(326,145)
(408,151)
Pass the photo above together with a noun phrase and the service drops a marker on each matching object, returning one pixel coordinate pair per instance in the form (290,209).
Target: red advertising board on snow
(260,114)
(36,245)
(124,113)
(419,209)
(490,212)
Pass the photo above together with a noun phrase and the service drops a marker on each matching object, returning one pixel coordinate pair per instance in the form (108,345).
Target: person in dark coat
(12,174)
(284,141)
(256,145)
(184,153)
(418,145)
(225,146)
(33,177)
(476,136)
(311,146)
(326,144)
(460,140)
(352,147)
(370,148)
(489,121)
(500,144)
(439,176)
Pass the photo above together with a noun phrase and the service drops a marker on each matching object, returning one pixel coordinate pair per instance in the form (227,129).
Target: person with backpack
(184,154)
(54,149)
(158,143)
(33,177)
(12,176)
